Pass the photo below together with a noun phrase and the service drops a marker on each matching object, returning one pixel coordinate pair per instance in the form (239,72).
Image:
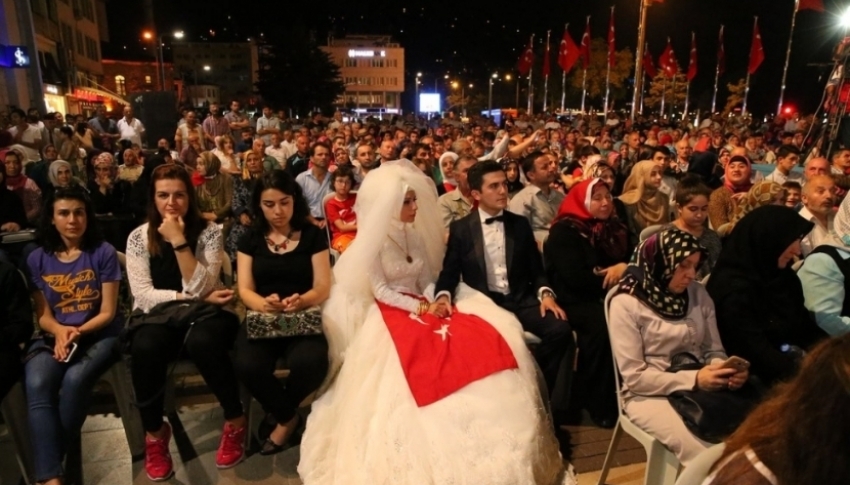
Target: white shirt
(132,130)
(264,123)
(278,154)
(289,148)
(31,135)
(780,178)
(494,253)
(819,234)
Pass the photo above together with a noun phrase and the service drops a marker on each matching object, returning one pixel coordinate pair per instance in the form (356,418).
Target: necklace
(404,249)
(277,247)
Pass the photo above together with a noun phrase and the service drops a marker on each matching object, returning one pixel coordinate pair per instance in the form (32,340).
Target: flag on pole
(585,46)
(612,43)
(816,5)
(526,60)
(648,65)
(756,50)
(721,54)
(546,66)
(568,53)
(667,61)
(692,64)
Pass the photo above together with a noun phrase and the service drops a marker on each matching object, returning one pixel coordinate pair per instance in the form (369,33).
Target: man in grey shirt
(538,202)
(237,120)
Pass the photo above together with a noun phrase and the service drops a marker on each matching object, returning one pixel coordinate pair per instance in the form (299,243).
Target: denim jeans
(54,422)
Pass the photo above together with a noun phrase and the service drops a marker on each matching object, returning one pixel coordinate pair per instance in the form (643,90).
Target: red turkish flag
(721,54)
(546,67)
(612,42)
(756,51)
(568,53)
(526,60)
(816,5)
(585,46)
(667,61)
(648,65)
(692,64)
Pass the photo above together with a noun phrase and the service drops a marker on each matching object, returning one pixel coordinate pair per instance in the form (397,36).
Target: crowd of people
(413,241)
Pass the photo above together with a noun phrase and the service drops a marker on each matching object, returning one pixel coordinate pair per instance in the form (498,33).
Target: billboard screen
(429,103)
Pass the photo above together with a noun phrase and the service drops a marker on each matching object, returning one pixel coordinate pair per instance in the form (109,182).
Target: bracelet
(181,247)
(423,307)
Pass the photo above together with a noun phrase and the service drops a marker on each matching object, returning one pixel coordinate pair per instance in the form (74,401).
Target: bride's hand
(440,308)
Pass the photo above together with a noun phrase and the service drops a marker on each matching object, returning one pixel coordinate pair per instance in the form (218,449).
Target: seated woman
(692,205)
(284,266)
(736,183)
(111,198)
(660,310)
(761,194)
(585,255)
(226,154)
(131,169)
(21,185)
(761,313)
(766,448)
(243,186)
(340,210)
(447,170)
(69,150)
(16,326)
(75,275)
(514,182)
(12,217)
(176,256)
(37,171)
(215,191)
(61,177)
(645,204)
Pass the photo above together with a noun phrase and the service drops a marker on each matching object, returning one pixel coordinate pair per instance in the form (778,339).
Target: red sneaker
(231,449)
(158,463)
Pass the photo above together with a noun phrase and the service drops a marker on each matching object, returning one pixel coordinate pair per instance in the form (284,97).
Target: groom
(494,252)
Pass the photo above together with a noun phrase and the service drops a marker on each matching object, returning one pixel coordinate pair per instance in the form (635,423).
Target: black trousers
(556,351)
(11,368)
(154,347)
(594,383)
(305,357)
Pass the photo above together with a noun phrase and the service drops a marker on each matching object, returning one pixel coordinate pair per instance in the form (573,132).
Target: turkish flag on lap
(442,355)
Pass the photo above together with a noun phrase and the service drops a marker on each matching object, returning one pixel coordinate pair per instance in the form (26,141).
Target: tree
(663,86)
(736,96)
(596,73)
(295,73)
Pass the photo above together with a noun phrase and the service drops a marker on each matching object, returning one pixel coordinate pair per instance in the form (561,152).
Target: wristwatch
(545,294)
(181,247)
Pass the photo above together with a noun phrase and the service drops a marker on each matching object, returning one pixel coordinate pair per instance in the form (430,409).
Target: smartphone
(736,363)
(71,353)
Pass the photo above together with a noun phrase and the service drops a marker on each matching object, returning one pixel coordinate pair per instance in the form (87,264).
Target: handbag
(261,325)
(711,415)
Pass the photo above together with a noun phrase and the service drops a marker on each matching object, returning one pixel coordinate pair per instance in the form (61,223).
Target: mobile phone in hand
(736,363)
(71,353)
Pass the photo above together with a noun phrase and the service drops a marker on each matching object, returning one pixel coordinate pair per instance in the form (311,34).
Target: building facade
(223,70)
(126,78)
(372,68)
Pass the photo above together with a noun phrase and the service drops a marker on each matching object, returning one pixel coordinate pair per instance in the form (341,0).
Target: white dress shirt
(132,130)
(494,253)
(819,234)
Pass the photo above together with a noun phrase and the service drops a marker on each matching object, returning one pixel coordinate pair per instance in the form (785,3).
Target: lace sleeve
(145,296)
(209,254)
(385,294)
(425,277)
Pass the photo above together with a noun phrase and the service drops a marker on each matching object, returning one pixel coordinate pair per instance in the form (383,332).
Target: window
(147,79)
(80,46)
(120,87)
(68,36)
(88,10)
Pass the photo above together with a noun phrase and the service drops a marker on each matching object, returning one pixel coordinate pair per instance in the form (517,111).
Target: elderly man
(458,203)
(818,204)
(814,167)
(538,202)
(130,128)
(276,151)
(259,149)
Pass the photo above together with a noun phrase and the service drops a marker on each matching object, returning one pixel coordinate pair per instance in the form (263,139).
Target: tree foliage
(736,96)
(596,73)
(674,93)
(294,73)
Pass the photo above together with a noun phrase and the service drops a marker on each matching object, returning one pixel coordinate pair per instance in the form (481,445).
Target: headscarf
(649,273)
(761,194)
(211,184)
(652,206)
(744,187)
(18,182)
(106,159)
(53,172)
(454,156)
(611,235)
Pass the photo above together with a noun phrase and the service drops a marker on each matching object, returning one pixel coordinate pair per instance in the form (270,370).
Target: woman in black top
(585,255)
(283,266)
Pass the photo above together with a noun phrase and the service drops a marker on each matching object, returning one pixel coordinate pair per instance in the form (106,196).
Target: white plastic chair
(661,464)
(699,469)
(650,230)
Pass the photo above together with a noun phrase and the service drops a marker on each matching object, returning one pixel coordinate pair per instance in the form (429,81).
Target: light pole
(160,60)
(416,101)
(490,95)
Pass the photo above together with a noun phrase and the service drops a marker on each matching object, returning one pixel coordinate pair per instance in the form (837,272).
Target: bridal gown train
(366,429)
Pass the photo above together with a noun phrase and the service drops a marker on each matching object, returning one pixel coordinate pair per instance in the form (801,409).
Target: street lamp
(416,101)
(490,95)
(160,60)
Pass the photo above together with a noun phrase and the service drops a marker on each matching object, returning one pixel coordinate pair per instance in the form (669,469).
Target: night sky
(469,40)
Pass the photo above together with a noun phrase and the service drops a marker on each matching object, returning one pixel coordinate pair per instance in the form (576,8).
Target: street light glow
(454,84)
(507,77)
(147,35)
(207,68)
(845,19)
(178,34)
(494,76)
(418,74)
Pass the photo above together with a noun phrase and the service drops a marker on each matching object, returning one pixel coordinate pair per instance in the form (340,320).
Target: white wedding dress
(366,428)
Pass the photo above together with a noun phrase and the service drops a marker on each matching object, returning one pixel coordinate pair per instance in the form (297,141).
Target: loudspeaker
(158,112)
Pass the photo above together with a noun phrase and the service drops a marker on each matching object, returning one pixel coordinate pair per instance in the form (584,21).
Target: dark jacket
(16,325)
(11,208)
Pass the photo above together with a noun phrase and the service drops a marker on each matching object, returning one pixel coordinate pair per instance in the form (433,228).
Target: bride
(418,397)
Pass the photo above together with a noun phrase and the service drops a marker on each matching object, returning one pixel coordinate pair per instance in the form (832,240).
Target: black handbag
(711,415)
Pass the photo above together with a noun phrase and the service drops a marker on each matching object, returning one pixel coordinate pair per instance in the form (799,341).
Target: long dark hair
(194,223)
(282,181)
(51,240)
(800,432)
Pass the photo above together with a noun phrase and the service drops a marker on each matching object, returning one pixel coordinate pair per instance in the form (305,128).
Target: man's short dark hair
(479,170)
(786,150)
(527,163)
(587,151)
(661,149)
(317,145)
(419,146)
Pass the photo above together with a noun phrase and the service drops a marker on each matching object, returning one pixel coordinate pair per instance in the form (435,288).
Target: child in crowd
(793,193)
(340,209)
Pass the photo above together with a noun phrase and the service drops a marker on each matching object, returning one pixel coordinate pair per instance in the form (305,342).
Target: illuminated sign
(365,53)
(14,56)
(51,89)
(429,103)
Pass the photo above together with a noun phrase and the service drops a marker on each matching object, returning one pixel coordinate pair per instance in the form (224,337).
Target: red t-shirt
(340,210)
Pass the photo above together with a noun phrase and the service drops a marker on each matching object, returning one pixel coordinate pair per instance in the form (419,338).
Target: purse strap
(684,361)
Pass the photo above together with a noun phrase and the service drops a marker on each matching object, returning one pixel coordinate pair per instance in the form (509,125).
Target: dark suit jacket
(465,259)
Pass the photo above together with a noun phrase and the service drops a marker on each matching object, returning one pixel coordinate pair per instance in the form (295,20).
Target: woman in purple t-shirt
(75,277)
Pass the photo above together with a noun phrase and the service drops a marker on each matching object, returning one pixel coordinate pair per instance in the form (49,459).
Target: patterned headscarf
(761,194)
(652,267)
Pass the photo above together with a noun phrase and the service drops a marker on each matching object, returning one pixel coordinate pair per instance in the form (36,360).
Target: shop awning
(94,94)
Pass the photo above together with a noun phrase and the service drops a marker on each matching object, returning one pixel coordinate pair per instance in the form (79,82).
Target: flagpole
(642,91)
(673,102)
(716,77)
(608,73)
(564,75)
(663,93)
(787,57)
(546,77)
(747,85)
(687,99)
(583,89)
(644,5)
(530,69)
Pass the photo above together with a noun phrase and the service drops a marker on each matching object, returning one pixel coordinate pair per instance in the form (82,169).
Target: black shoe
(271,448)
(563,437)
(267,425)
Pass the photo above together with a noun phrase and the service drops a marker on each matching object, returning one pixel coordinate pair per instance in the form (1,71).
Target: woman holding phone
(75,275)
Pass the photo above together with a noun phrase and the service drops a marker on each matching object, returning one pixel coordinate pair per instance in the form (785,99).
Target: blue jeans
(54,422)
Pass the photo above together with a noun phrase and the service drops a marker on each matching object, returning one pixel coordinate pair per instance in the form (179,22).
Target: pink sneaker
(158,463)
(231,449)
